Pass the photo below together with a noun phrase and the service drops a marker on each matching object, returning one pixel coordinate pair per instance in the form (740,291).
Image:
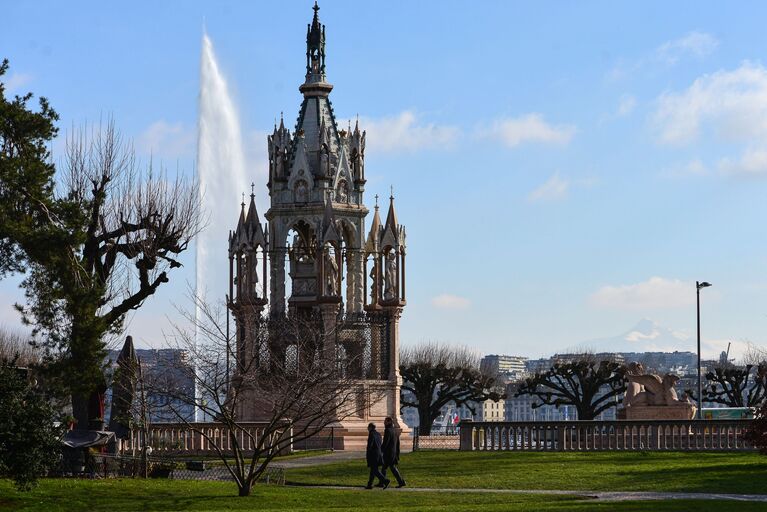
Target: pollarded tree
(435,375)
(756,434)
(588,385)
(737,386)
(119,231)
(95,239)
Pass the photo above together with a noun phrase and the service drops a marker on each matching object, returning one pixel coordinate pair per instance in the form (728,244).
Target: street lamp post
(698,286)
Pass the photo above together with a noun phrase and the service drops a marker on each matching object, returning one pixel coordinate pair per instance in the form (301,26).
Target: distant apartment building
(490,410)
(503,364)
(663,362)
(167,368)
(615,357)
(520,408)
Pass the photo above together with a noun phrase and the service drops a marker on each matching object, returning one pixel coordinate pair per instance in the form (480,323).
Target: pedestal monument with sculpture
(351,282)
(651,397)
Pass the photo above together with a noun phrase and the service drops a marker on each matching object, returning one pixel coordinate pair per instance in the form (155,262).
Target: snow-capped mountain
(645,336)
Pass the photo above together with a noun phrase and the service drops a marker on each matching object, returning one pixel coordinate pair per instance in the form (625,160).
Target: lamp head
(704,284)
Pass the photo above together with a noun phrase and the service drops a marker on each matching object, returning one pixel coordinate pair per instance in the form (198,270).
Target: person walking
(390,449)
(374,458)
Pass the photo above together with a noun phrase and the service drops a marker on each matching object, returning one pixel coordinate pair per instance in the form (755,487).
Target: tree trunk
(244,490)
(84,369)
(425,420)
(585,414)
(80,410)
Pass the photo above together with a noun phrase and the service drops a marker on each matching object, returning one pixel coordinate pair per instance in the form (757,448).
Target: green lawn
(727,472)
(174,495)
(684,472)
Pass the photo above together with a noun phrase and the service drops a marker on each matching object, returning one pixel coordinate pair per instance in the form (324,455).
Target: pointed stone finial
(252,190)
(391,187)
(376,201)
(243,201)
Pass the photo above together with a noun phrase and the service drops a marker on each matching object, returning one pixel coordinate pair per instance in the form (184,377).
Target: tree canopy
(436,374)
(588,385)
(734,386)
(26,179)
(94,238)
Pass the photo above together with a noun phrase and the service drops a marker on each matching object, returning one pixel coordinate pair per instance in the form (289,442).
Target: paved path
(596,495)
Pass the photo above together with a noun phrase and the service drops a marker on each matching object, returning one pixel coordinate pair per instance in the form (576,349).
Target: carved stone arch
(349,234)
(301,173)
(343,171)
(304,225)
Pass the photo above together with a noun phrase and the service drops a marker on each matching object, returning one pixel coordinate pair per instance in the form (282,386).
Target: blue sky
(563,169)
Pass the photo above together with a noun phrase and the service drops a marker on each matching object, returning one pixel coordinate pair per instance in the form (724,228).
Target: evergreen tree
(26,179)
(95,239)
(29,441)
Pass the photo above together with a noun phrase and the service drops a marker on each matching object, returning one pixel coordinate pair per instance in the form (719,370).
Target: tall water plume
(221,172)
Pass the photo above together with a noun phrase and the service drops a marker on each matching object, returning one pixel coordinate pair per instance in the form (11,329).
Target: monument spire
(315,48)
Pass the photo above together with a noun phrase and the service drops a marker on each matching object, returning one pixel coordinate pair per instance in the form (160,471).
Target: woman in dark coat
(374,458)
(390,449)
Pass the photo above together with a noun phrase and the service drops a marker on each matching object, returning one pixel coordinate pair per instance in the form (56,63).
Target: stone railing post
(466,437)
(561,438)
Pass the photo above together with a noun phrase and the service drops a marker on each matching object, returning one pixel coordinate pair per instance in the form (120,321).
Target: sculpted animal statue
(633,388)
(657,391)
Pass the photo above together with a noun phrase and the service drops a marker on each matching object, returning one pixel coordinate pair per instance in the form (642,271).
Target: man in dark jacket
(375,458)
(390,449)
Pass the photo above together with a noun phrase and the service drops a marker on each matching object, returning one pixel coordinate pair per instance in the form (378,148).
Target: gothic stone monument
(650,397)
(352,283)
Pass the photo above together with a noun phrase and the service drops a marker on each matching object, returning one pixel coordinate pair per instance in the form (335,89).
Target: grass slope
(727,472)
(174,495)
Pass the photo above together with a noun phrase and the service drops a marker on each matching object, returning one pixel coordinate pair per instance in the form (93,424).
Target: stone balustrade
(651,435)
(196,439)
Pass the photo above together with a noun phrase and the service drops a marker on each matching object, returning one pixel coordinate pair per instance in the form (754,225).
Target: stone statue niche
(650,397)
(303,268)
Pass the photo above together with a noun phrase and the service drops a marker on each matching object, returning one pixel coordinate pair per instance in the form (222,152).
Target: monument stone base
(681,411)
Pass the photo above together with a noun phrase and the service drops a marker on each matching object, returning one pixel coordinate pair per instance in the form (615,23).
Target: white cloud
(553,189)
(447,301)
(626,105)
(16,81)
(655,293)
(169,141)
(694,167)
(695,44)
(733,104)
(752,163)
(528,128)
(405,132)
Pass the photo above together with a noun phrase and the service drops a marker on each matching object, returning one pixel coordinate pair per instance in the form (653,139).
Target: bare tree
(16,348)
(436,374)
(589,385)
(117,232)
(735,386)
(290,376)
